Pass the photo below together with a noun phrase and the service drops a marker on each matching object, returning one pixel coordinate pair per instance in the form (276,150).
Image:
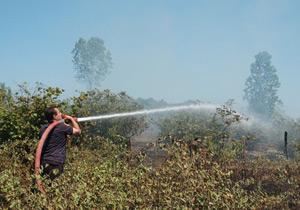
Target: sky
(172,50)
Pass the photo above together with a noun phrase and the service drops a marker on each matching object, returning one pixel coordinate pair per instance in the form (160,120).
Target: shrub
(110,177)
(96,102)
(23,115)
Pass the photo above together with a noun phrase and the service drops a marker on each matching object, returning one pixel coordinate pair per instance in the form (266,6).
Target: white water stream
(206,107)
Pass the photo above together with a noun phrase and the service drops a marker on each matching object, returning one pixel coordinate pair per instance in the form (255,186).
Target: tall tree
(5,97)
(262,86)
(92,61)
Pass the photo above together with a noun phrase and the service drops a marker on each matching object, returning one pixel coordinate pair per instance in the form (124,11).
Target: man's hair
(49,112)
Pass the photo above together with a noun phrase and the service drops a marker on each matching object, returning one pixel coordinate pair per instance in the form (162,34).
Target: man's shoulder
(62,125)
(43,127)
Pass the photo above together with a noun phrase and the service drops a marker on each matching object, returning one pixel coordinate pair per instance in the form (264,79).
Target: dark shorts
(52,171)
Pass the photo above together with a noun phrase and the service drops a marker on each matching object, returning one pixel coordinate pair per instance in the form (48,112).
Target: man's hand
(76,128)
(69,117)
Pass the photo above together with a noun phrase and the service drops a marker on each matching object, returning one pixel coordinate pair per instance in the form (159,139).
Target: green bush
(101,173)
(110,177)
(213,129)
(95,103)
(23,115)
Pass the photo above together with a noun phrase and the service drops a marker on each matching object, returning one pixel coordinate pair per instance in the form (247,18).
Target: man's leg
(52,171)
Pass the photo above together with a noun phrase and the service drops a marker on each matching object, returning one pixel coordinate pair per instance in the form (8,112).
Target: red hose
(39,153)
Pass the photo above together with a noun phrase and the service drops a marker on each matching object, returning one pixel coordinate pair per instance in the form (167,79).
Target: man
(54,148)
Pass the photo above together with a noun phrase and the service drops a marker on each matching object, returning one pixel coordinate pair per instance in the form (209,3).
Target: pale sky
(173,50)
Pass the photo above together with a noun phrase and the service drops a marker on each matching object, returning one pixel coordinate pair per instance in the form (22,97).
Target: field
(196,161)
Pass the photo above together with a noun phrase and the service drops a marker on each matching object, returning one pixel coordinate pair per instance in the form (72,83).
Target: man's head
(53,113)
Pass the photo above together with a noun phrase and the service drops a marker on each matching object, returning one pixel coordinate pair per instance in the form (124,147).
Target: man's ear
(54,116)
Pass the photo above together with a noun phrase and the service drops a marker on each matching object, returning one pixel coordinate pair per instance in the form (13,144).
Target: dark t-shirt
(54,149)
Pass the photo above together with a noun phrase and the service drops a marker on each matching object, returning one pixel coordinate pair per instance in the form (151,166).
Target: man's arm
(74,125)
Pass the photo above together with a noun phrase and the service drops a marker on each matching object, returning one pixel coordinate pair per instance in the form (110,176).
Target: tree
(5,94)
(5,98)
(262,86)
(92,61)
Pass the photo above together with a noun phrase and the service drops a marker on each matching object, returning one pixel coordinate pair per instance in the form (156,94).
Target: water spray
(207,107)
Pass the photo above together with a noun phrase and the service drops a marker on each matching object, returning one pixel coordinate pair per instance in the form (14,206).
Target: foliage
(150,103)
(23,113)
(22,116)
(96,102)
(189,125)
(5,97)
(5,100)
(186,125)
(262,86)
(92,61)
(110,177)
(205,168)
